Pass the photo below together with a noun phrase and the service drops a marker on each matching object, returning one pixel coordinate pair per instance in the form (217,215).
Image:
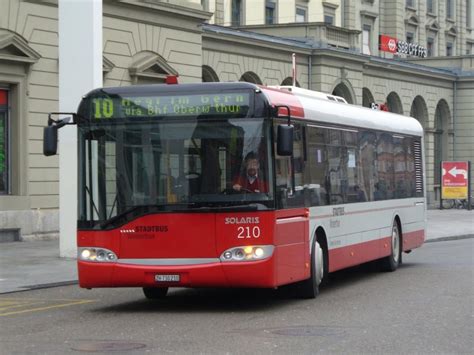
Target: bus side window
(400,168)
(318,163)
(385,166)
(337,167)
(368,177)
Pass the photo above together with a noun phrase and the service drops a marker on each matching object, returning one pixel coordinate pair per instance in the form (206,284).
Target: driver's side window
(289,171)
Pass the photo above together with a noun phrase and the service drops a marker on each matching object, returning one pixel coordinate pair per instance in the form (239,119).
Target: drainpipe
(455,89)
(310,74)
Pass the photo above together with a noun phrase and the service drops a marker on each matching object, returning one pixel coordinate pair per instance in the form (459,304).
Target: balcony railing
(319,33)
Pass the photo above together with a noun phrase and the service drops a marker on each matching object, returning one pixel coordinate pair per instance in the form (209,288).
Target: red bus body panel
(206,236)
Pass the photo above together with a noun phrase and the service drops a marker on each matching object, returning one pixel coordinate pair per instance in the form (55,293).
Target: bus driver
(251,182)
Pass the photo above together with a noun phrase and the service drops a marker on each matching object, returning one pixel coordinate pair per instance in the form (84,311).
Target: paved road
(424,307)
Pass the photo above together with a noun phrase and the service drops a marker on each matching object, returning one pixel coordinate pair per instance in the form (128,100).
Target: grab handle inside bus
(284,133)
(50,133)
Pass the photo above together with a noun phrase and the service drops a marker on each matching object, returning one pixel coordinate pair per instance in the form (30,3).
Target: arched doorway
(289,82)
(441,143)
(419,110)
(251,77)
(367,98)
(394,103)
(344,90)
(209,75)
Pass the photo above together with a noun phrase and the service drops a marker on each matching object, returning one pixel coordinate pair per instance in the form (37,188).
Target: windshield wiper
(140,210)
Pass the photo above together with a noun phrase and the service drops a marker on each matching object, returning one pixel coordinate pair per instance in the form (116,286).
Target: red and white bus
(158,207)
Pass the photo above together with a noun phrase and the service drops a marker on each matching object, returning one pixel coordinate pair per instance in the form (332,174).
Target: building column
(80,70)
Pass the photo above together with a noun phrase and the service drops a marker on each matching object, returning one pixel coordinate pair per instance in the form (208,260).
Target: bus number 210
(248,232)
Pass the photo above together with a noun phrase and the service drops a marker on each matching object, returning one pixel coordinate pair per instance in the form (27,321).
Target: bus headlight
(248,253)
(100,255)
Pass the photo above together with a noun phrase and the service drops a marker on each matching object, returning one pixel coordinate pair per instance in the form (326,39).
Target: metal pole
(441,186)
(293,60)
(469,185)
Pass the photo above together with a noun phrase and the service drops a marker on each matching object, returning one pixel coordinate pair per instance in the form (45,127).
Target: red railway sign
(454,180)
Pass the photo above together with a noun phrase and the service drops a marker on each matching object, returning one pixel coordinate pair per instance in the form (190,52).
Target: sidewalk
(30,265)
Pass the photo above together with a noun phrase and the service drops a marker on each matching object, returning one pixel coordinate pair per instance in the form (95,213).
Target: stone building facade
(143,41)
(445,27)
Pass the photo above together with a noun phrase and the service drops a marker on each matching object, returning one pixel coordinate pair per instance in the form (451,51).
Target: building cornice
(213,32)
(178,10)
(157,14)
(252,43)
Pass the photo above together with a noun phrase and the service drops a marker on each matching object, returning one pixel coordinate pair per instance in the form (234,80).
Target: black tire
(155,293)
(391,262)
(309,288)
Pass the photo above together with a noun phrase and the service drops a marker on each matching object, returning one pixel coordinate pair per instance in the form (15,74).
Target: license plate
(167,278)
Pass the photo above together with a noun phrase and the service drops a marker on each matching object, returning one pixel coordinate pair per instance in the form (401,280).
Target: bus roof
(322,110)
(161,89)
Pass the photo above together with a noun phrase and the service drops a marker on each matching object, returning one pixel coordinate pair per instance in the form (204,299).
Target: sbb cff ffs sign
(455,180)
(393,45)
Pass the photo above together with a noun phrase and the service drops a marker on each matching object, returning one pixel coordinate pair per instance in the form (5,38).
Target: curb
(447,239)
(41,286)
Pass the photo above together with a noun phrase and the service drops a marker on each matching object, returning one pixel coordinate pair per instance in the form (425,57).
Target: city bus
(158,207)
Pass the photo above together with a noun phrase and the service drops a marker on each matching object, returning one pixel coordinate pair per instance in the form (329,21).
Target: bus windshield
(129,168)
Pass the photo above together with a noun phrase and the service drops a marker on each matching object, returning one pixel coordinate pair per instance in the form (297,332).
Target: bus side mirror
(50,133)
(50,140)
(285,140)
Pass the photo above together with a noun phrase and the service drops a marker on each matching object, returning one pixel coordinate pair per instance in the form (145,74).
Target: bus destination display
(178,105)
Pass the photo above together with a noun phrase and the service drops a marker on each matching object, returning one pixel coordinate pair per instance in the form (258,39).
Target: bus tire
(391,262)
(309,288)
(155,293)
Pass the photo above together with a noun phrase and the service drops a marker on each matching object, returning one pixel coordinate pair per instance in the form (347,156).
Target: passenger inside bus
(250,180)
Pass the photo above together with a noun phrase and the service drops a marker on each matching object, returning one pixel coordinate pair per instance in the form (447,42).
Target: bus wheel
(154,293)
(391,262)
(310,288)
